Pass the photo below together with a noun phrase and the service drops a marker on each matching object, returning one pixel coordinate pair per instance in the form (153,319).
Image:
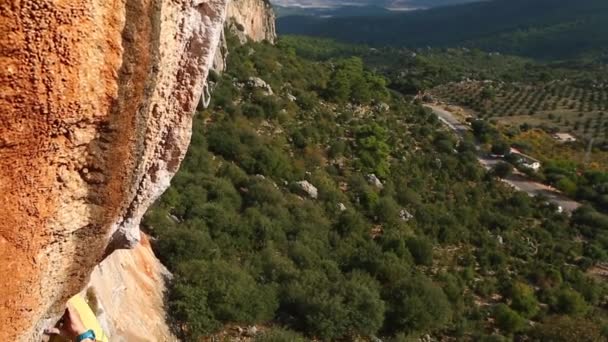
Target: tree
(245,249)
(503,170)
(316,305)
(339,87)
(488,93)
(184,243)
(444,145)
(253,111)
(347,82)
(223,292)
(567,185)
(416,304)
(360,91)
(501,148)
(188,306)
(373,149)
(387,210)
(523,300)
(482,130)
(588,216)
(361,294)
(337,149)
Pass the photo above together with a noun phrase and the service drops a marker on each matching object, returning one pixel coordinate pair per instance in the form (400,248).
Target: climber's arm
(71,327)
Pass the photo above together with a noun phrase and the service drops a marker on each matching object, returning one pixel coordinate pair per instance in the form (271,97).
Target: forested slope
(331,208)
(536,28)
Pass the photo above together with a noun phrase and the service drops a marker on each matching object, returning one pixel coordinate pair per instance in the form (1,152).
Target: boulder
(252,331)
(308,189)
(405,215)
(258,83)
(375,181)
(383,107)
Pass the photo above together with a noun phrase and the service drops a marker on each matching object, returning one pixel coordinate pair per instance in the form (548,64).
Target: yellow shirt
(88,319)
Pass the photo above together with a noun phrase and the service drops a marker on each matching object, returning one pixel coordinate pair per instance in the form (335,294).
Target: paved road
(450,120)
(518,180)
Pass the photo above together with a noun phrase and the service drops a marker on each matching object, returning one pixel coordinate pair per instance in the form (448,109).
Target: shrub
(570,302)
(416,304)
(421,249)
(210,291)
(508,320)
(523,300)
(253,111)
(567,329)
(279,335)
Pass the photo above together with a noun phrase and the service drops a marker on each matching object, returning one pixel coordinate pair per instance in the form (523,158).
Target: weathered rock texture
(254,18)
(126,292)
(247,19)
(97,100)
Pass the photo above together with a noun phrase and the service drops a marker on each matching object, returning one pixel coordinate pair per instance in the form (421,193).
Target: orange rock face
(96,100)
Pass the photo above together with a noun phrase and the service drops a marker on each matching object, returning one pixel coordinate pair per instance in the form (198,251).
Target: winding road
(517,180)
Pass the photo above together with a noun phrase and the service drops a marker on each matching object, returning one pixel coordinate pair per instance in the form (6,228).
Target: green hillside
(405,234)
(537,28)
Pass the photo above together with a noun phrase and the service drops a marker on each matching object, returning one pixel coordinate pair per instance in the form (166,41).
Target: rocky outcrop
(247,19)
(126,292)
(258,83)
(97,100)
(252,19)
(221,55)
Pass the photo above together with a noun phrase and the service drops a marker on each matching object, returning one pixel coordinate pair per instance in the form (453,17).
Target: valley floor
(517,180)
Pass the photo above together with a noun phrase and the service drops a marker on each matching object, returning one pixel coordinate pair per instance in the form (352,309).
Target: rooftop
(564,137)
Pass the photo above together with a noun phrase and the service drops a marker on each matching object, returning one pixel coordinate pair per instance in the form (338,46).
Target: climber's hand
(69,326)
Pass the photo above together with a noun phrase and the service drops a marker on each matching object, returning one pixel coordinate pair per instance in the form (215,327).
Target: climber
(71,327)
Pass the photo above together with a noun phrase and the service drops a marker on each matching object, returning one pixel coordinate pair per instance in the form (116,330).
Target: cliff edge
(252,19)
(246,19)
(127,291)
(97,100)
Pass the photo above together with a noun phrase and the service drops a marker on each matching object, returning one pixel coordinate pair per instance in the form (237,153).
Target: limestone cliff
(254,19)
(126,292)
(97,99)
(247,19)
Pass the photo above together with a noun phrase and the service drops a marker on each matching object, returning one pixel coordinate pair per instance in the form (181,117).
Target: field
(558,106)
(542,146)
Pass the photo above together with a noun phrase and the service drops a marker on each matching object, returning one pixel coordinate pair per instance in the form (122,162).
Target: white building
(525,160)
(564,137)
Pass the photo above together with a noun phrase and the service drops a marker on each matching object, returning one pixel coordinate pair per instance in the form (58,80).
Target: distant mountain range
(326,12)
(391,4)
(355,8)
(550,29)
